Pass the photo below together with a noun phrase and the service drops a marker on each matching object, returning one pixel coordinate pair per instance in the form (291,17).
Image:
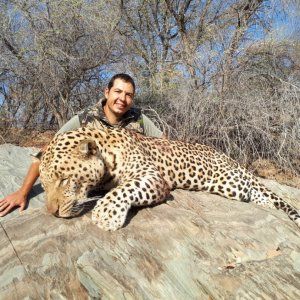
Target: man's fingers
(11,201)
(3,205)
(2,201)
(5,211)
(22,206)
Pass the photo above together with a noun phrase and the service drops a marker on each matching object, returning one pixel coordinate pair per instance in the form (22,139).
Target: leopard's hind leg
(243,186)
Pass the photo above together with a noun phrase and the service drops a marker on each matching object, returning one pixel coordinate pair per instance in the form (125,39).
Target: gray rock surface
(193,246)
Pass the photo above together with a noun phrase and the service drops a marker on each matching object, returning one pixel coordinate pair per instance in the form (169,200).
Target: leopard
(136,170)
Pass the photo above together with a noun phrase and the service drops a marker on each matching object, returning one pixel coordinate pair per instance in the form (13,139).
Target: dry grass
(251,122)
(26,138)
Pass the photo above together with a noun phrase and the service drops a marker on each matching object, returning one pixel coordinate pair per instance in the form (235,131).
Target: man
(116,110)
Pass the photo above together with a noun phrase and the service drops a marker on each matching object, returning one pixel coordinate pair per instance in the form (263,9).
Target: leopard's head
(70,167)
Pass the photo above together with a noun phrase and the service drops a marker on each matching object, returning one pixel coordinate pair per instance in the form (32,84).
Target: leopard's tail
(263,196)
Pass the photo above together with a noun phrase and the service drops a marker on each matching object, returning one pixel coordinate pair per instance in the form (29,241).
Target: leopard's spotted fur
(139,171)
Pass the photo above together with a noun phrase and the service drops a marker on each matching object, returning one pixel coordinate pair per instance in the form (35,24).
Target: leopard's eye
(64,182)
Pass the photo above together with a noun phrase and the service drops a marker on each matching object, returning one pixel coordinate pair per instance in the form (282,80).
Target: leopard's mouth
(77,208)
(57,215)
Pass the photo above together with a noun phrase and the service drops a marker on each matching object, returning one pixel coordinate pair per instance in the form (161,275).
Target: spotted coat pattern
(138,171)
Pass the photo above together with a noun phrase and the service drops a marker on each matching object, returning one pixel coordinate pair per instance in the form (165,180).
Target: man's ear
(106,91)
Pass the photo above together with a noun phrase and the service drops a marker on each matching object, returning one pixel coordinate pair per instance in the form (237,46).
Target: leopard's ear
(87,148)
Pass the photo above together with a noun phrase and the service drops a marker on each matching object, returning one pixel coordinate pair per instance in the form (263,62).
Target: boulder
(193,246)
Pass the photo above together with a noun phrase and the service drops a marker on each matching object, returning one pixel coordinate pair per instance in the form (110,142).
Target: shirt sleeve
(72,124)
(150,129)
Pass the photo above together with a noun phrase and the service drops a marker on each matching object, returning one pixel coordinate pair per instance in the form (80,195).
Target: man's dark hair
(122,76)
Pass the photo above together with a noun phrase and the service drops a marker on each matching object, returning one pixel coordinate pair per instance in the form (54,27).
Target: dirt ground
(268,169)
(26,138)
(262,168)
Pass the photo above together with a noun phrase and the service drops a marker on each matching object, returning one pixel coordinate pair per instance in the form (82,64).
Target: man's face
(119,97)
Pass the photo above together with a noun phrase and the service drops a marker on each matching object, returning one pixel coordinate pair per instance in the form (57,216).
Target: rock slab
(193,246)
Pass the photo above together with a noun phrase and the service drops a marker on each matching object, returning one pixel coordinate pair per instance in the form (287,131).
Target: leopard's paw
(108,216)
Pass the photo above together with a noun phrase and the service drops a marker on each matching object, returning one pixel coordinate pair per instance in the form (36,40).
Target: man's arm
(72,124)
(150,129)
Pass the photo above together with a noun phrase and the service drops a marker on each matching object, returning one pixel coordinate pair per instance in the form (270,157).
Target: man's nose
(122,96)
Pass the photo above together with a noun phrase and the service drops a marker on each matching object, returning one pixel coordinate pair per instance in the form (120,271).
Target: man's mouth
(120,105)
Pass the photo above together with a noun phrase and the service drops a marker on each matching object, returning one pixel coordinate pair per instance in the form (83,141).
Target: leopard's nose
(56,214)
(52,208)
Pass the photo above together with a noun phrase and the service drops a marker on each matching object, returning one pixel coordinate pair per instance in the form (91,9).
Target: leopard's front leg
(110,211)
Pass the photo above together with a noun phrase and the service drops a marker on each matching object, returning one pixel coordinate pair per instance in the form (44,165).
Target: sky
(286,19)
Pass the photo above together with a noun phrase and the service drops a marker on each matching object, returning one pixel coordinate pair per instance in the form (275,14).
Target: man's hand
(19,198)
(9,202)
